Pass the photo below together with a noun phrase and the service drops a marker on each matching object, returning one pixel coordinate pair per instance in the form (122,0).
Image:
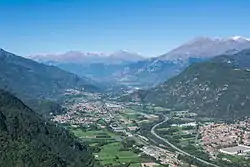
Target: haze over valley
(128,68)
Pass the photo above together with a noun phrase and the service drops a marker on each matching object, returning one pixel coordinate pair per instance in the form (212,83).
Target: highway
(176,148)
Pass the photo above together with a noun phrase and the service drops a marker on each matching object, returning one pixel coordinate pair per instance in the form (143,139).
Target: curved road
(176,148)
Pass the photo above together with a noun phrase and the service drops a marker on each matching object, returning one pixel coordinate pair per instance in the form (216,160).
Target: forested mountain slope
(27,140)
(31,81)
(218,88)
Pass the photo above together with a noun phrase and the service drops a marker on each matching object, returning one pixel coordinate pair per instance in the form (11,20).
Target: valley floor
(123,133)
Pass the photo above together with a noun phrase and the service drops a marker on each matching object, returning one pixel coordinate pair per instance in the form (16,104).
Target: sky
(148,27)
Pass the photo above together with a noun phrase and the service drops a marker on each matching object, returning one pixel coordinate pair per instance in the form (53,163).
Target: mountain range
(134,70)
(208,76)
(195,76)
(217,88)
(118,57)
(30,80)
(205,47)
(158,69)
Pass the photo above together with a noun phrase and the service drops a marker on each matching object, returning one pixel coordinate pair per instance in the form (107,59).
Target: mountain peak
(126,55)
(206,47)
(200,39)
(217,39)
(239,38)
(123,51)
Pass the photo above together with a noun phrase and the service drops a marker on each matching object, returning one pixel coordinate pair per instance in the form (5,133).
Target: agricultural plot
(96,136)
(114,154)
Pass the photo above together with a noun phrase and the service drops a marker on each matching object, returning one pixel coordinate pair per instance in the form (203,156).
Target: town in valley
(125,128)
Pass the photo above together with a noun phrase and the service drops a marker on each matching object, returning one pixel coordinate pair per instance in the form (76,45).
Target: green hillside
(26,140)
(215,88)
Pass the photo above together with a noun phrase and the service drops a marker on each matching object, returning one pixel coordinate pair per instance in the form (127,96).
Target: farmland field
(112,153)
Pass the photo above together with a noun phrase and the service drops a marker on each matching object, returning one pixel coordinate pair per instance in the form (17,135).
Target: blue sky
(149,27)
